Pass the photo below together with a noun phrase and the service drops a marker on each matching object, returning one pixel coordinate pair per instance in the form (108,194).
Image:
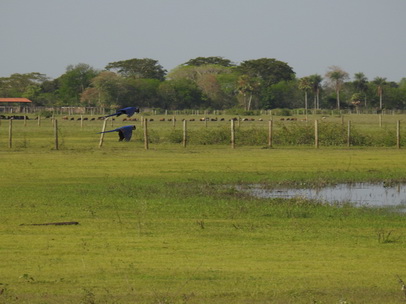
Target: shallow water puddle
(361,194)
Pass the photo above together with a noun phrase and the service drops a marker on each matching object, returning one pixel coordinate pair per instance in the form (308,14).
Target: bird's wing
(127,132)
(130,111)
(121,135)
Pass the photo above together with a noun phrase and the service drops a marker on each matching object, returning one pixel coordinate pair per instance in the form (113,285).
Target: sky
(46,36)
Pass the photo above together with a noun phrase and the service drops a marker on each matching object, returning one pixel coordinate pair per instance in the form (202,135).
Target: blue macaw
(124,133)
(129,111)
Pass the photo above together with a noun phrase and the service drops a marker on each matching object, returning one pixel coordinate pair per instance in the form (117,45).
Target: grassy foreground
(167,226)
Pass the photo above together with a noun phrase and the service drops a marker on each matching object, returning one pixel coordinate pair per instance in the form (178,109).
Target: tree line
(205,83)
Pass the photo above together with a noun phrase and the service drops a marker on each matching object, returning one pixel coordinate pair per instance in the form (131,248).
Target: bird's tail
(107,131)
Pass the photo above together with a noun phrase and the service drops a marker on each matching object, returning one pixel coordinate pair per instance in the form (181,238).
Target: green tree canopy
(199,61)
(210,80)
(138,68)
(74,82)
(180,94)
(106,90)
(18,84)
(270,71)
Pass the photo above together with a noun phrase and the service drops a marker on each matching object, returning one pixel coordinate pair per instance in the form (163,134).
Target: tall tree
(380,82)
(211,79)
(316,80)
(138,68)
(74,82)
(337,76)
(107,87)
(361,85)
(305,84)
(246,87)
(270,71)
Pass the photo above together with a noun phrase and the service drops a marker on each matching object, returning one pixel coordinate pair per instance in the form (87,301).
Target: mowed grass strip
(168,226)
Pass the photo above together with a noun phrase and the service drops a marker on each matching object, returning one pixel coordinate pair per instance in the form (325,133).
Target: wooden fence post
(102,134)
(10,133)
(146,134)
(184,133)
(316,133)
(398,134)
(349,134)
(270,133)
(39,120)
(81,121)
(56,134)
(232,134)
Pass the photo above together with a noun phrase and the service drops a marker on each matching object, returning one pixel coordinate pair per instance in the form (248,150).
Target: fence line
(233,137)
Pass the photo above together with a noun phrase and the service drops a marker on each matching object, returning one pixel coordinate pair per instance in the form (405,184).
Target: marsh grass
(169,225)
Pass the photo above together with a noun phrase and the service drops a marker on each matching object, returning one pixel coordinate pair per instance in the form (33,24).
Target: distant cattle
(16,117)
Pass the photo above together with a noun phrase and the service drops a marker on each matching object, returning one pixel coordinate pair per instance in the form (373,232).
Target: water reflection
(361,194)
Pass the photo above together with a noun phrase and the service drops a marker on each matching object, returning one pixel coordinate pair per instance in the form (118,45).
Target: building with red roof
(10,100)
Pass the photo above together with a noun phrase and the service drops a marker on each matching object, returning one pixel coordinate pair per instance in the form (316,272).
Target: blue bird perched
(124,133)
(129,111)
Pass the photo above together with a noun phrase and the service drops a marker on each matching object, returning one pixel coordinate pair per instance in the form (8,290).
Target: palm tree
(316,83)
(380,82)
(305,84)
(337,77)
(247,86)
(361,85)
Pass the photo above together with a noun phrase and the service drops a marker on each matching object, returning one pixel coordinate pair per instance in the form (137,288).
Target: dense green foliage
(205,83)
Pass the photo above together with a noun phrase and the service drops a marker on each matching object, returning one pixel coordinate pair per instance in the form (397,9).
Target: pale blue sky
(310,35)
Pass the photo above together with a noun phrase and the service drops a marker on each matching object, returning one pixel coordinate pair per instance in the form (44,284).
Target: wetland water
(360,194)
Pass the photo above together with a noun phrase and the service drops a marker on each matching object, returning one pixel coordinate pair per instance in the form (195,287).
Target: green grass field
(168,225)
